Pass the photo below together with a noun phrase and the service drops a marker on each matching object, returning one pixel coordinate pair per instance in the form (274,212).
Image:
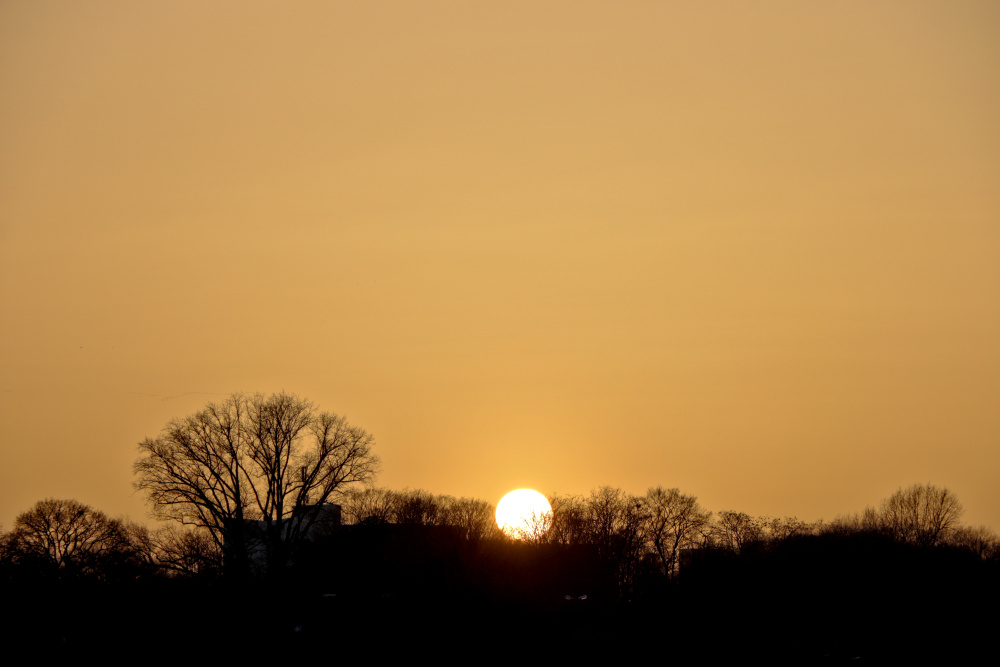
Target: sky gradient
(750,250)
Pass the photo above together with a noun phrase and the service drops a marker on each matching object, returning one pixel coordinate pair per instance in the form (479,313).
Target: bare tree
(530,528)
(615,520)
(186,551)
(673,521)
(379,506)
(368,506)
(980,540)
(569,520)
(68,534)
(416,508)
(790,526)
(921,514)
(270,459)
(472,516)
(736,530)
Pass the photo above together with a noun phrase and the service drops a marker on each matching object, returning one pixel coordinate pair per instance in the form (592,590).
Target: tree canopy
(274,460)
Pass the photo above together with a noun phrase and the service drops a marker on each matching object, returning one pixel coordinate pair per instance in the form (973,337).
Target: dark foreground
(812,601)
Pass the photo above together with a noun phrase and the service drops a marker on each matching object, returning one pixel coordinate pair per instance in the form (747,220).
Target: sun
(524,514)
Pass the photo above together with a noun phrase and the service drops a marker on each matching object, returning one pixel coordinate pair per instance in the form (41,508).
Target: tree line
(242,484)
(651,533)
(268,493)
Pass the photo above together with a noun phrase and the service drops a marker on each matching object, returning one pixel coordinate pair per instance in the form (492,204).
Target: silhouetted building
(307,523)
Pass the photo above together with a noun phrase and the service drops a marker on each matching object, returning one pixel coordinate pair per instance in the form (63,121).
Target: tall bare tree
(270,459)
(674,521)
(615,527)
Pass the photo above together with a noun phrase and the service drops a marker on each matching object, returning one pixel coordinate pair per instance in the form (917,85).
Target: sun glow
(524,514)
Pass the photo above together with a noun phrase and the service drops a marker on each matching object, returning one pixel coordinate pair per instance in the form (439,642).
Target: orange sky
(750,250)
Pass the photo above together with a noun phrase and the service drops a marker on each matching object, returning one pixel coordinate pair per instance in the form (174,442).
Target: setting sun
(524,514)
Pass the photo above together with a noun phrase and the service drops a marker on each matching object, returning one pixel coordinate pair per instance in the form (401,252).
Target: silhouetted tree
(378,506)
(782,529)
(569,521)
(187,551)
(921,514)
(68,535)
(369,506)
(473,517)
(416,508)
(980,540)
(673,521)
(736,530)
(615,528)
(272,459)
